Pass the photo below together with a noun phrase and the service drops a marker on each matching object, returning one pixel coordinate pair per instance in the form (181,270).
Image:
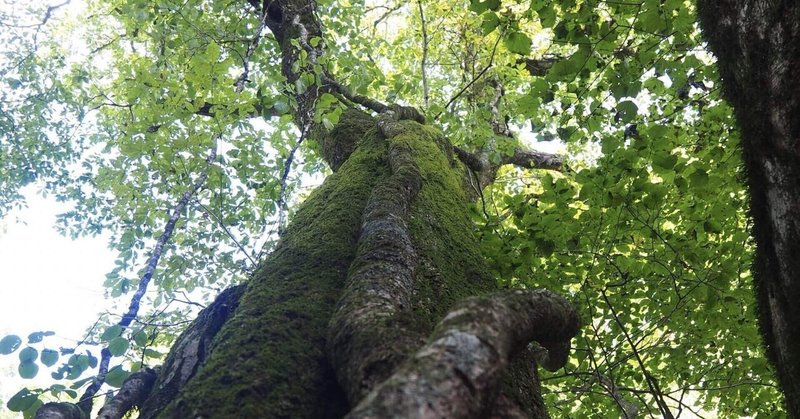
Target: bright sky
(47,282)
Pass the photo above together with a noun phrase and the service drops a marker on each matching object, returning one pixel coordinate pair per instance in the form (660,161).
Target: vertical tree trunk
(757,43)
(372,262)
(269,359)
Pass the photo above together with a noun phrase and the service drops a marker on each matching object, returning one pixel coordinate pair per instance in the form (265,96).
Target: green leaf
(627,111)
(49,357)
(490,23)
(152,353)
(118,346)
(28,370)
(9,344)
(652,21)
(212,52)
(91,360)
(665,161)
(712,226)
(116,376)
(80,383)
(37,337)
(111,333)
(547,16)
(281,106)
(140,337)
(21,401)
(698,178)
(518,42)
(28,354)
(479,6)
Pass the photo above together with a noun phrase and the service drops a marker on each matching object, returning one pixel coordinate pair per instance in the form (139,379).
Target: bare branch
(474,79)
(425,88)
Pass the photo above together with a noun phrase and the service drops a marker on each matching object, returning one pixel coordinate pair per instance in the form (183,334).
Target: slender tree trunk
(757,43)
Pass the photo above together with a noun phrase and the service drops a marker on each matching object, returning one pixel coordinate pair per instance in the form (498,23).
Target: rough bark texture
(369,333)
(456,374)
(134,392)
(757,43)
(60,411)
(190,352)
(370,264)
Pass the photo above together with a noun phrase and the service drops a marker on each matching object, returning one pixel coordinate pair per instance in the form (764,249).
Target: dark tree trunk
(757,44)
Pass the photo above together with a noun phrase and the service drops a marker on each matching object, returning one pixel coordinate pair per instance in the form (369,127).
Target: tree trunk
(269,358)
(355,310)
(757,43)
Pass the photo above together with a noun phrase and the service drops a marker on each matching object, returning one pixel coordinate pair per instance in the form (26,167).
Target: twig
(425,91)
(225,229)
(649,379)
(474,79)
(287,167)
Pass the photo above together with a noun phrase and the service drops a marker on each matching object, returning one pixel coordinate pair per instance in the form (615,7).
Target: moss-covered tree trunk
(757,43)
(376,302)
(370,264)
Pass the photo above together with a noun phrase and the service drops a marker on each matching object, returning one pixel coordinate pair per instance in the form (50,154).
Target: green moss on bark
(450,263)
(268,360)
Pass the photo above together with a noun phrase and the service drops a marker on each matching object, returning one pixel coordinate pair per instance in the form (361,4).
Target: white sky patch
(47,282)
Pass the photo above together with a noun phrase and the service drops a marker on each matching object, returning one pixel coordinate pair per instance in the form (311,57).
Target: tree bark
(372,261)
(757,44)
(391,229)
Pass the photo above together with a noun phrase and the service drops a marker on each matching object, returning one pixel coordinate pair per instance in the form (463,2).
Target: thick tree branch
(367,338)
(456,374)
(211,110)
(133,392)
(534,160)
(60,410)
(527,159)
